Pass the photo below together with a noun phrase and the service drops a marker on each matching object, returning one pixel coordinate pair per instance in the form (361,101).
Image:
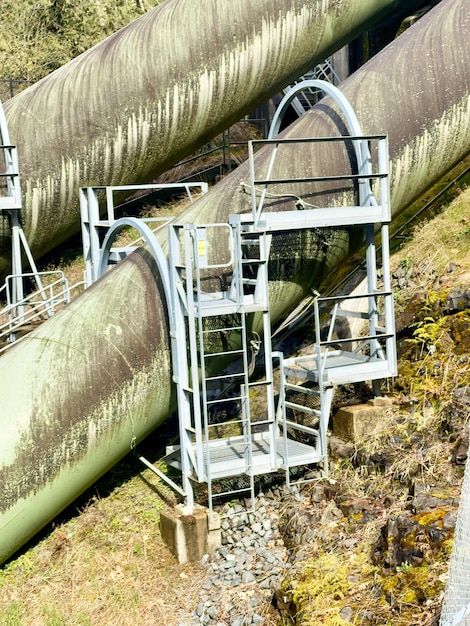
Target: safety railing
(370,170)
(94,226)
(364,332)
(36,307)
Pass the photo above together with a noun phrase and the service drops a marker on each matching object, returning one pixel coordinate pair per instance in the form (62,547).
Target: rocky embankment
(371,544)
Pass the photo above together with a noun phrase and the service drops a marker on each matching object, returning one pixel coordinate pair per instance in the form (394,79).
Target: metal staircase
(231,427)
(367,355)
(213,322)
(218,301)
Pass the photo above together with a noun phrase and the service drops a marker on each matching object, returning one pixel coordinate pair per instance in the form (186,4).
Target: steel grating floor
(341,367)
(227,457)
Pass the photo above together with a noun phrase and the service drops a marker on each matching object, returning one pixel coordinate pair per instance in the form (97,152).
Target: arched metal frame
(360,146)
(153,246)
(326,87)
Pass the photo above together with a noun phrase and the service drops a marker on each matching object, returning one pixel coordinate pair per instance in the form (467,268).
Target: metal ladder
(217,322)
(295,398)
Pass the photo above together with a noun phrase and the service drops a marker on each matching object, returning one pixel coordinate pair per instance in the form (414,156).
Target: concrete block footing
(190,533)
(351,423)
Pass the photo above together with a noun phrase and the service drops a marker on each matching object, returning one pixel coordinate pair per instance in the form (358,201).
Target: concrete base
(354,422)
(190,533)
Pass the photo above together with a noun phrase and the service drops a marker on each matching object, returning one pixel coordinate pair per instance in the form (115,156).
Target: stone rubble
(243,573)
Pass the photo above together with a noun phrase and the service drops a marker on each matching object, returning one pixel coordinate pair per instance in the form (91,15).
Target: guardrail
(36,307)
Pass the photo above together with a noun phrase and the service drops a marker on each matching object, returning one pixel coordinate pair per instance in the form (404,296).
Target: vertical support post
(281,407)
(371,266)
(326,398)
(389,305)
(86,234)
(252,180)
(265,245)
(384,183)
(191,249)
(179,358)
(109,205)
(17,270)
(90,216)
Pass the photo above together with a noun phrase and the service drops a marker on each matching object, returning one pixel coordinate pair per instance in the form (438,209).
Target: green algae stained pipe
(80,391)
(133,105)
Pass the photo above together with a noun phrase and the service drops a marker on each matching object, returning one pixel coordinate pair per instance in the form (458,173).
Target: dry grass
(444,239)
(339,581)
(107,565)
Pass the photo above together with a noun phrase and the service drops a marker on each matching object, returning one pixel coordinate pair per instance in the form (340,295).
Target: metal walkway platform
(228,456)
(338,367)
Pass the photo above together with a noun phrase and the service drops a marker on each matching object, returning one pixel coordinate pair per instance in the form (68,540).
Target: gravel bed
(242,574)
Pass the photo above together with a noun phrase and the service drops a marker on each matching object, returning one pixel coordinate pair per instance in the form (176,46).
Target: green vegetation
(38,36)
(412,446)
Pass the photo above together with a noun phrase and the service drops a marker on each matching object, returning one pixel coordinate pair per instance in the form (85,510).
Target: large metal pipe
(133,105)
(82,389)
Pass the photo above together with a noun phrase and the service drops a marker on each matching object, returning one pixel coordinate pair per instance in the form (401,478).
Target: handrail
(92,222)
(372,340)
(38,293)
(201,254)
(32,310)
(366,171)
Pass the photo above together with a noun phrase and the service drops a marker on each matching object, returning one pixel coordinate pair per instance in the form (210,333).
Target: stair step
(313,432)
(210,354)
(260,383)
(208,331)
(303,409)
(261,423)
(255,307)
(223,494)
(185,388)
(235,420)
(300,389)
(225,376)
(249,239)
(225,400)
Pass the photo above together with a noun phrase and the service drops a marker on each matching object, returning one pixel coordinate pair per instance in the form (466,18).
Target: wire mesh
(456,605)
